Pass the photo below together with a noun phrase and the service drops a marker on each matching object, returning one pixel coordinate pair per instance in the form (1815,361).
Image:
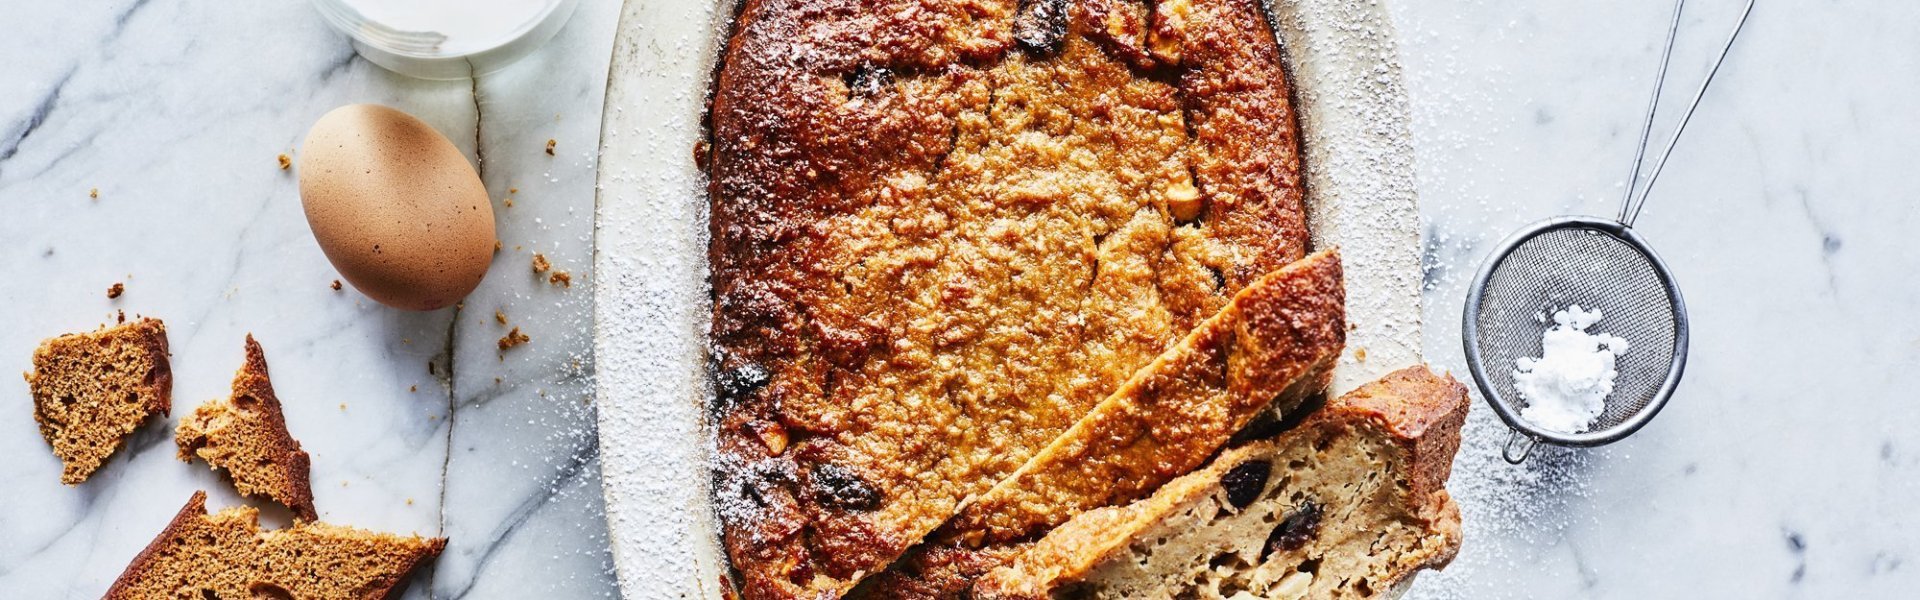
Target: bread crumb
(509,202)
(343,407)
(114,291)
(512,190)
(513,338)
(285,163)
(407,341)
(540,264)
(94,193)
(123,316)
(413,389)
(550,143)
(336,285)
(409,502)
(500,316)
(1360,354)
(496,246)
(561,278)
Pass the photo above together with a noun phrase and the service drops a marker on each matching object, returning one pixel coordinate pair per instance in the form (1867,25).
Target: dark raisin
(838,486)
(1295,531)
(868,80)
(736,382)
(1041,27)
(1245,482)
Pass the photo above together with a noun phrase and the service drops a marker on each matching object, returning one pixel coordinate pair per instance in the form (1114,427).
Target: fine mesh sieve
(1594,263)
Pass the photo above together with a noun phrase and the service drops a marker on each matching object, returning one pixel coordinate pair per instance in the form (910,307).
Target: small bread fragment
(246,436)
(1349,504)
(92,389)
(226,555)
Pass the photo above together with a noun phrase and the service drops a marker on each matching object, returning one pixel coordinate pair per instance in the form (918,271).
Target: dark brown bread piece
(92,389)
(246,436)
(942,231)
(227,556)
(1349,504)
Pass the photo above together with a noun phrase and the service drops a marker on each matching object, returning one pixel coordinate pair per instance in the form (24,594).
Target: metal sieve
(1594,263)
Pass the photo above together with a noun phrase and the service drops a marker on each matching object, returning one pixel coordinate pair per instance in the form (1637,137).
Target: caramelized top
(943,230)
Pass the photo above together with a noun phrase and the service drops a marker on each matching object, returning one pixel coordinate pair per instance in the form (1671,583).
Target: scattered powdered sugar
(1566,388)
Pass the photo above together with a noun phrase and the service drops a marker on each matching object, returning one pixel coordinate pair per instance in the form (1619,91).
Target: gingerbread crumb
(512,190)
(123,316)
(540,264)
(115,290)
(413,389)
(550,143)
(285,162)
(94,193)
(560,278)
(336,285)
(513,338)
(508,201)
(500,316)
(496,246)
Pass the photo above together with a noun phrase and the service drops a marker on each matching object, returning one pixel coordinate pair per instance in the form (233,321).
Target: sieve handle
(1630,206)
(1519,445)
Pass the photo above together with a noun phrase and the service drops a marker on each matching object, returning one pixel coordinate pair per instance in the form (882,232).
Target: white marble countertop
(1785,467)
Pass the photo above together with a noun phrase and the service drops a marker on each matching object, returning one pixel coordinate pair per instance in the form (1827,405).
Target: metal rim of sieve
(1525,434)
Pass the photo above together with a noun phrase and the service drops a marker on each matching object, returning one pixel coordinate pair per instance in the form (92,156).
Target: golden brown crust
(246,436)
(944,230)
(90,390)
(1275,345)
(226,555)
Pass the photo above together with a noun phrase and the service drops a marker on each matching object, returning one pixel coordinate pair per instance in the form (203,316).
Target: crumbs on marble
(94,193)
(336,285)
(560,278)
(500,316)
(285,162)
(513,338)
(513,190)
(343,407)
(1360,354)
(409,502)
(115,290)
(122,315)
(496,246)
(540,264)
(550,143)
(407,341)
(508,201)
(413,389)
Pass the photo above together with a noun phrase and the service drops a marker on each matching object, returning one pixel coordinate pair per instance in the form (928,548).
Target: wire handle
(1519,446)
(1630,206)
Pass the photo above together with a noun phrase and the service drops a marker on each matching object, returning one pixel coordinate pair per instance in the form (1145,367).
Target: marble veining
(1784,468)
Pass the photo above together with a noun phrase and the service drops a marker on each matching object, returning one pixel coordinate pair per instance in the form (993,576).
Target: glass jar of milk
(446,39)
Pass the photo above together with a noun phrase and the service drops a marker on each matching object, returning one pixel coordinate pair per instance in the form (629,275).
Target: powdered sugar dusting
(651,303)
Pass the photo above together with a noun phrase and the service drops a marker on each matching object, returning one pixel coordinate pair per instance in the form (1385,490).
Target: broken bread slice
(226,555)
(92,389)
(1349,504)
(246,436)
(1272,347)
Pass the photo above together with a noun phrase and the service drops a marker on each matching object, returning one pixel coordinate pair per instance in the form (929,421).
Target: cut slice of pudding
(1349,504)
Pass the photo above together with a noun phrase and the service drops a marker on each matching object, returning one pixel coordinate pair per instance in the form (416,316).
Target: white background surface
(1785,467)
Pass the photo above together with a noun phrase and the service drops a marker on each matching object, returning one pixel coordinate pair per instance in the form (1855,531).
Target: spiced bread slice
(227,556)
(943,232)
(90,390)
(1349,504)
(246,436)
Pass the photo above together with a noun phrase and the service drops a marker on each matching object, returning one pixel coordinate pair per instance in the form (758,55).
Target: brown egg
(396,207)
